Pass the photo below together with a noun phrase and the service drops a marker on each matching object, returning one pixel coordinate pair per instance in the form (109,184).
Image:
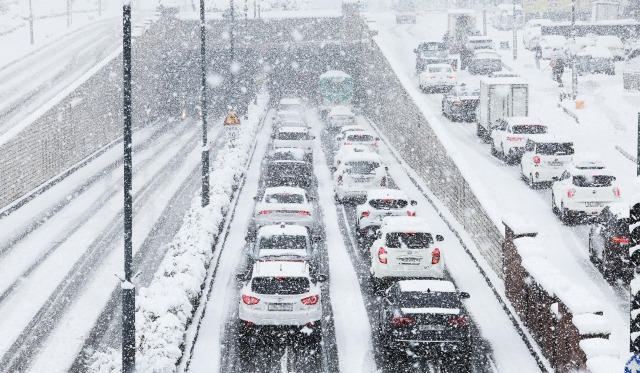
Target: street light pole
(484,19)
(574,73)
(128,290)
(203,106)
(31,21)
(515,33)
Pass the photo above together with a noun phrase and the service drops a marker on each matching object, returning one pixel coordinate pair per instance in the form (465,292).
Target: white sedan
(341,116)
(437,76)
(365,138)
(289,205)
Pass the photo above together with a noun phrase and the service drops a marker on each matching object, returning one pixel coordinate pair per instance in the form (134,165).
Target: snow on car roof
(405,224)
(352,127)
(554,39)
(298,129)
(284,190)
(287,113)
(620,210)
(423,286)
(335,74)
(353,149)
(277,229)
(588,160)
(297,153)
(438,65)
(264,268)
(512,80)
(551,138)
(340,110)
(351,133)
(596,51)
(480,38)
(384,193)
(290,101)
(531,121)
(361,156)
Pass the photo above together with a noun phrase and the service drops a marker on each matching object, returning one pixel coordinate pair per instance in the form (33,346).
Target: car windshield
(593,180)
(284,156)
(529,129)
(468,92)
(283,242)
(284,198)
(387,204)
(565,148)
(410,239)
(360,138)
(362,167)
(288,169)
(292,136)
(280,285)
(434,299)
(439,69)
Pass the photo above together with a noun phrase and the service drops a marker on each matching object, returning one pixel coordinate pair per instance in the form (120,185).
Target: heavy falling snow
(393,186)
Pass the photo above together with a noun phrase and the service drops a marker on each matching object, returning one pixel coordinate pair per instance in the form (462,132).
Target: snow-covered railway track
(56,298)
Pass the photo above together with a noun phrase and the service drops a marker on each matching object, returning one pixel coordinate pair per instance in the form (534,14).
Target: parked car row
(281,289)
(418,311)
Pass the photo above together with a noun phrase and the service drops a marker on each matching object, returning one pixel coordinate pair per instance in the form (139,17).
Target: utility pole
(31,21)
(203,106)
(574,73)
(515,33)
(69,13)
(128,290)
(484,19)
(254,9)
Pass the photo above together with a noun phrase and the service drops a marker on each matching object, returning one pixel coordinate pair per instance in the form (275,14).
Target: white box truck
(500,97)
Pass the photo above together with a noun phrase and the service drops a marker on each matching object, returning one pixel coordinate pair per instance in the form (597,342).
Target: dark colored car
(485,61)
(595,60)
(424,317)
(612,244)
(430,52)
(460,103)
(289,173)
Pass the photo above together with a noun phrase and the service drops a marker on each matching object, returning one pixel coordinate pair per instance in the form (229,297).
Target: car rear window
(415,299)
(439,69)
(411,240)
(292,136)
(555,148)
(362,167)
(283,241)
(593,181)
(285,198)
(529,129)
(280,285)
(360,138)
(387,204)
(287,169)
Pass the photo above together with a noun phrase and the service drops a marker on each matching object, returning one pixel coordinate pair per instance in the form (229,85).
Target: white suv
(405,249)
(340,116)
(280,294)
(289,205)
(358,173)
(283,242)
(293,137)
(509,136)
(365,138)
(583,190)
(379,204)
(545,159)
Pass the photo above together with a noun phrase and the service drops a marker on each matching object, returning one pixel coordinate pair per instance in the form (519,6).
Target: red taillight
(365,214)
(310,301)
(435,256)
(459,321)
(431,77)
(457,103)
(303,212)
(409,213)
(347,143)
(383,181)
(382,255)
(620,240)
(571,193)
(351,117)
(249,300)
(511,138)
(616,192)
(264,212)
(331,117)
(399,321)
(536,160)
(374,144)
(451,77)
(340,179)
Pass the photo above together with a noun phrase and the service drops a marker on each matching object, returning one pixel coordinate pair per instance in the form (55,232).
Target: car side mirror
(321,278)
(311,198)
(313,137)
(386,168)
(377,139)
(242,277)
(415,50)
(249,238)
(378,235)
(339,138)
(439,238)
(414,202)
(273,135)
(256,198)
(333,169)
(273,117)
(464,295)
(316,238)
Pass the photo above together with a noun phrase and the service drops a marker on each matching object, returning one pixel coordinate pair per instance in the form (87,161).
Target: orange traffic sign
(232,118)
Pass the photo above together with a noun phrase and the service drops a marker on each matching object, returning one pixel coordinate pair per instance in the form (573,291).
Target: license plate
(558,163)
(593,204)
(409,260)
(280,307)
(361,180)
(430,327)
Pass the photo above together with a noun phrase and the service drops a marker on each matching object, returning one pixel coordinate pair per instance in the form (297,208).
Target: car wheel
(532,184)
(564,214)
(494,151)
(554,207)
(337,199)
(376,284)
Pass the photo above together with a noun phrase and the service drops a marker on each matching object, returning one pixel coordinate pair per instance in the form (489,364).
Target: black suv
(613,245)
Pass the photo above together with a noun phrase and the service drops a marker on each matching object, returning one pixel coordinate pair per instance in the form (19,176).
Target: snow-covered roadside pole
(128,290)
(203,107)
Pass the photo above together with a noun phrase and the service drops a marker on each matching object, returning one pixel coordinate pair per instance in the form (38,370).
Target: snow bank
(519,225)
(165,307)
(530,247)
(605,364)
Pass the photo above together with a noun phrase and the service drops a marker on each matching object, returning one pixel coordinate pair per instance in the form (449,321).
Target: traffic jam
(285,314)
